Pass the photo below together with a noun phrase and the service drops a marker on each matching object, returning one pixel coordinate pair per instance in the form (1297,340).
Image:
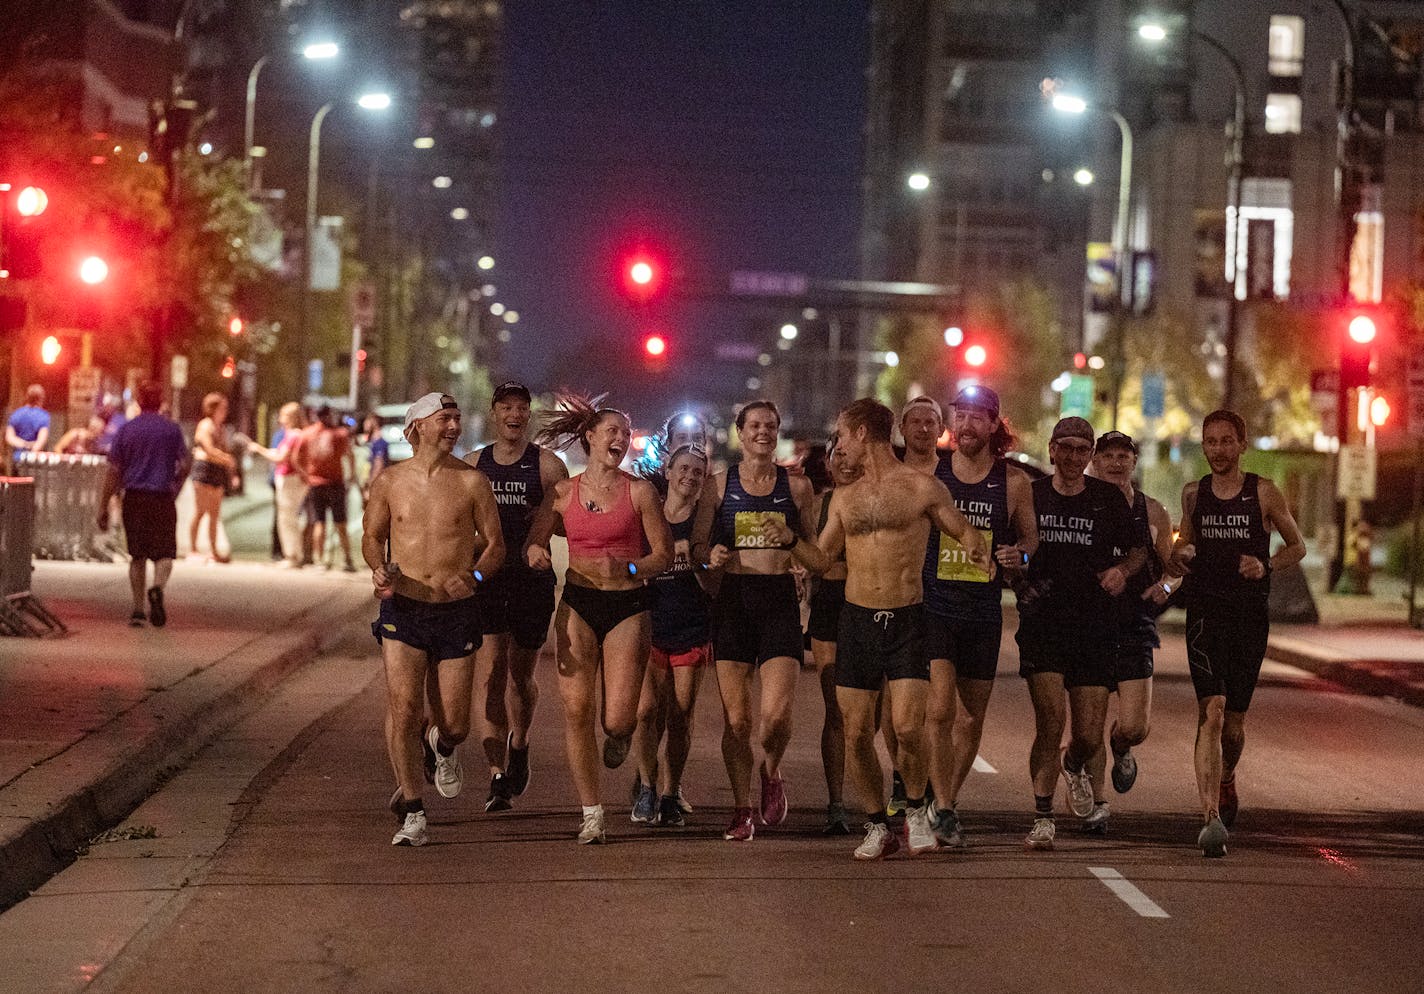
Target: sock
(914,802)
(592,809)
(879,817)
(1068,763)
(442,747)
(410,807)
(1100,804)
(1043,805)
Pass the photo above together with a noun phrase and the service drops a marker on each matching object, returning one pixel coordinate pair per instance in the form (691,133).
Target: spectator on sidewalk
(378,451)
(147,463)
(330,465)
(83,440)
(289,480)
(213,467)
(28,427)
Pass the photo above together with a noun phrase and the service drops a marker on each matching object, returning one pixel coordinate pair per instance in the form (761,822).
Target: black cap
(1073,427)
(978,396)
(511,388)
(1117,438)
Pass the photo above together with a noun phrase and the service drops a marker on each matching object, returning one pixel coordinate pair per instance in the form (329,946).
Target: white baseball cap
(430,404)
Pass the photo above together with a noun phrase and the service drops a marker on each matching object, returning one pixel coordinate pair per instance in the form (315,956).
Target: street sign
(1416,394)
(747,283)
(178,372)
(85,383)
(1154,395)
(1356,480)
(1077,397)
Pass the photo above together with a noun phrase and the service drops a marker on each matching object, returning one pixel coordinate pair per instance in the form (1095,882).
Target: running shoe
(837,820)
(919,836)
(897,795)
(1212,839)
(428,751)
(1097,820)
(412,831)
(683,802)
(645,809)
(592,831)
(741,828)
(1041,836)
(615,750)
(156,613)
(773,799)
(944,822)
(1080,790)
(1124,771)
(1227,802)
(670,812)
(499,795)
(137,619)
(879,842)
(516,767)
(449,775)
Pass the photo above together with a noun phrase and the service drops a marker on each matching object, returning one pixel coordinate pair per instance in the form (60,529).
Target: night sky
(726,135)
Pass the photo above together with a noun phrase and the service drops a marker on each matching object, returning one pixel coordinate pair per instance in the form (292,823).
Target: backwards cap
(430,404)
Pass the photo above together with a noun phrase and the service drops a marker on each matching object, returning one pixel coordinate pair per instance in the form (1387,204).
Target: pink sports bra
(617,532)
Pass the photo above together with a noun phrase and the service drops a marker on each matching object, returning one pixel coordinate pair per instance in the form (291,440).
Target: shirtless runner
(882,523)
(430,510)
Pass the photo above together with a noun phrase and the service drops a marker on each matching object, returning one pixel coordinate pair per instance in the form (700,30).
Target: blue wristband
(632,569)
(479,577)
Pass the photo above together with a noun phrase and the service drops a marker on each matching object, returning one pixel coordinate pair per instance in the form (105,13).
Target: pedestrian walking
(330,466)
(213,469)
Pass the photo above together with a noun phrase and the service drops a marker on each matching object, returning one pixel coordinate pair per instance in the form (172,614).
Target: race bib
(954,562)
(746,532)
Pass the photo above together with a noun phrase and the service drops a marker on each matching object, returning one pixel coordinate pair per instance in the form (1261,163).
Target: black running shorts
(756,618)
(875,645)
(1134,662)
(150,524)
(327,498)
(518,603)
(1226,643)
(972,647)
(448,630)
(824,623)
(1080,658)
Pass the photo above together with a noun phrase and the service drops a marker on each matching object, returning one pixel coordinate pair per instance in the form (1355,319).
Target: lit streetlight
(919,182)
(954,336)
(315,52)
(1084,177)
(789,332)
(486,262)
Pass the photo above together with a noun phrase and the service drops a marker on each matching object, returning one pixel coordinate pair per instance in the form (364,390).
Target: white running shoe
(879,842)
(1097,820)
(1041,837)
(412,833)
(919,834)
(1080,790)
(449,775)
(592,830)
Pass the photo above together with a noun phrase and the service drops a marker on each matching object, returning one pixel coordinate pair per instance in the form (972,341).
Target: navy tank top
(738,522)
(1225,531)
(954,587)
(1139,616)
(518,492)
(681,617)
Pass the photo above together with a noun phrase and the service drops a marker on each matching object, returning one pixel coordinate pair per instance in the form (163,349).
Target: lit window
(1286,45)
(1283,114)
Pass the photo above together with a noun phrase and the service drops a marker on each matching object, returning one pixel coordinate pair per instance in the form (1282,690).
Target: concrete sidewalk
(92,723)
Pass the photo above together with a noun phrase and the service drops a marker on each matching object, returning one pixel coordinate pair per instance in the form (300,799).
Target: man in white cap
(427,515)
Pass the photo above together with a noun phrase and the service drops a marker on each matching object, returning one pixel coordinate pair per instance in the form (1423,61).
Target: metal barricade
(21,612)
(68,489)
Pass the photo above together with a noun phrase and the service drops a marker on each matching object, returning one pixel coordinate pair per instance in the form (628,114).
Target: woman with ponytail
(618,539)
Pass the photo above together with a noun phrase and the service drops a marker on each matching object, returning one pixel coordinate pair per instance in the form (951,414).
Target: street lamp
(918,182)
(1155,34)
(318,51)
(1068,103)
(368,101)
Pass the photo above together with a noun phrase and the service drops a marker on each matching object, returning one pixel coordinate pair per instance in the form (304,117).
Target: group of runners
(677,570)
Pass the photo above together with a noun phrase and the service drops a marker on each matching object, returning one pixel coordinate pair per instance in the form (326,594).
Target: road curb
(149,743)
(1361,676)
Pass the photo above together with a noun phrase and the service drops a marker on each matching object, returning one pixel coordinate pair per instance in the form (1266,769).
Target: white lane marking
(981,765)
(1128,892)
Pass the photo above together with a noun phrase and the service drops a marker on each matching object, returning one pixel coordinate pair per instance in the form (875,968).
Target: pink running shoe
(741,829)
(773,799)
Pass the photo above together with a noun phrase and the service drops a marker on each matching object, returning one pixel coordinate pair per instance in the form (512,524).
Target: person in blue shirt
(147,463)
(28,427)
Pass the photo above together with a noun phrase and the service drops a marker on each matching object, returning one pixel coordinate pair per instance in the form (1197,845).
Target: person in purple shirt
(147,463)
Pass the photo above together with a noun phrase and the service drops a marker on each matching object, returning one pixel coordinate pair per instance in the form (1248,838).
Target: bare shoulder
(473,456)
(550,465)
(801,488)
(641,490)
(1016,476)
(1189,492)
(1155,506)
(1269,493)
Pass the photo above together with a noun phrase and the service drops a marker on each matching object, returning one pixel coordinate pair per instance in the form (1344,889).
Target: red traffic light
(50,350)
(643,277)
(1362,329)
(976,356)
(360,360)
(235,326)
(1379,411)
(93,270)
(31,202)
(655,345)
(229,368)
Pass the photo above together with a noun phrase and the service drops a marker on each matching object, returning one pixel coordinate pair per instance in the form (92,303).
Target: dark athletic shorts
(824,623)
(151,524)
(449,630)
(208,473)
(972,647)
(327,497)
(518,603)
(1134,662)
(1076,655)
(879,645)
(1226,642)
(756,618)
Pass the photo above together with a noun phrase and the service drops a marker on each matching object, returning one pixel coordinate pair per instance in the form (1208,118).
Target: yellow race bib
(954,561)
(746,533)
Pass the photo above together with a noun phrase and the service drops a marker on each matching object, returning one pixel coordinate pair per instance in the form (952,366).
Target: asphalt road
(270,869)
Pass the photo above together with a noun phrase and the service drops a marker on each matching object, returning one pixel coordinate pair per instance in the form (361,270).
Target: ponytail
(573,417)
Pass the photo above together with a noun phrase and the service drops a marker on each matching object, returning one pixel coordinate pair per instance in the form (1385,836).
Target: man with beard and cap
(963,616)
(1224,549)
(423,522)
(517,603)
(1067,632)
